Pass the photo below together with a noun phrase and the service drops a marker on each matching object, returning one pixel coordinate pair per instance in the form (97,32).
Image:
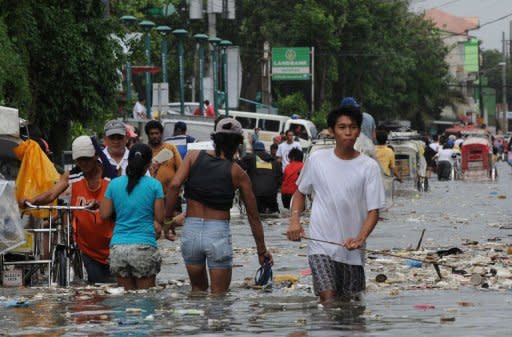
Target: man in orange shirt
(88,185)
(165,164)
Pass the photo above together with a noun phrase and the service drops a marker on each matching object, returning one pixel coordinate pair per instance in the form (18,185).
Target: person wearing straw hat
(211,179)
(348,194)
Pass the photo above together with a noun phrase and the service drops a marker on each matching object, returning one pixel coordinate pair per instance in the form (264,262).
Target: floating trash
(17,303)
(115,291)
(424,306)
(447,318)
(381,278)
(189,312)
(413,264)
(133,311)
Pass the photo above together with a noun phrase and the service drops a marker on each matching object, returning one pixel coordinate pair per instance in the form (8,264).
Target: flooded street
(458,214)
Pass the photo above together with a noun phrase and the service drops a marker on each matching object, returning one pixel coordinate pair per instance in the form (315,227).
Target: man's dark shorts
(97,272)
(345,279)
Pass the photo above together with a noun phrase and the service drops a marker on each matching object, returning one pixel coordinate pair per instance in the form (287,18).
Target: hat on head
(229,125)
(258,146)
(82,147)
(349,101)
(115,127)
(180,126)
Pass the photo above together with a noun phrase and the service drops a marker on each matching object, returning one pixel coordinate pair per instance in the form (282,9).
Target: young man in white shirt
(348,195)
(284,149)
(139,110)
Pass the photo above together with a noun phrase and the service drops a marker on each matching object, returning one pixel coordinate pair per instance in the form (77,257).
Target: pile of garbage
(485,265)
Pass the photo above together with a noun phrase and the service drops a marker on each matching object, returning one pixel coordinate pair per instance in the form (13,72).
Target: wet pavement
(475,217)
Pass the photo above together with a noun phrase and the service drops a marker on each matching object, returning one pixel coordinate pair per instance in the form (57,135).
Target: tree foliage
(293,104)
(493,71)
(377,51)
(59,64)
(69,58)
(14,90)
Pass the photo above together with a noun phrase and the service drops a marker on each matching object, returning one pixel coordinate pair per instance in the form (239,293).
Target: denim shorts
(207,241)
(135,260)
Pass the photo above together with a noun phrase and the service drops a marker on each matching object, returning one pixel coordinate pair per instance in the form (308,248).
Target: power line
(493,21)
(446,3)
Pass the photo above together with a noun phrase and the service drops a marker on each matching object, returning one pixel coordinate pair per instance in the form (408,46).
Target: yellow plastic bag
(37,173)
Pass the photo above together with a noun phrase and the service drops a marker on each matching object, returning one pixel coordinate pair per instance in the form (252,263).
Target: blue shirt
(135,211)
(181,142)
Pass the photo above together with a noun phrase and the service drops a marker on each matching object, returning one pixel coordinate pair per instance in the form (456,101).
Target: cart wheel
(60,266)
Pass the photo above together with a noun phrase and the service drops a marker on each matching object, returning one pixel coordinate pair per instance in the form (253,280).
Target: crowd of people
(140,188)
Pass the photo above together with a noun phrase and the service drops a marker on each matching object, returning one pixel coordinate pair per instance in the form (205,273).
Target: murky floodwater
(451,213)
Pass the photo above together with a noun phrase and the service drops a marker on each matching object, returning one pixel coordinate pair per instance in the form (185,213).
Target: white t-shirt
(446,155)
(345,190)
(283,149)
(139,111)
(434,146)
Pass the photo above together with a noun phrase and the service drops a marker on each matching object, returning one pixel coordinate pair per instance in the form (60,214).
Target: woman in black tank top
(211,179)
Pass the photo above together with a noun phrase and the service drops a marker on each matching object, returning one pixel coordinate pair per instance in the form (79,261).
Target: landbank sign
(291,63)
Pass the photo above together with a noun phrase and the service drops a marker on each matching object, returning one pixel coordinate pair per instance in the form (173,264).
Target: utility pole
(265,75)
(480,94)
(504,75)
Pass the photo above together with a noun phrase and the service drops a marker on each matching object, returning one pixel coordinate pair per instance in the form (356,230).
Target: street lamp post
(504,85)
(164,31)
(180,35)
(147,26)
(214,41)
(201,38)
(225,44)
(128,20)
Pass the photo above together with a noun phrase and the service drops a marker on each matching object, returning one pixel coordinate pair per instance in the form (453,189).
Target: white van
(271,126)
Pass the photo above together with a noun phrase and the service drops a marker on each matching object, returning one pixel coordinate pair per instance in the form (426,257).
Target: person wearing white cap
(88,185)
(211,178)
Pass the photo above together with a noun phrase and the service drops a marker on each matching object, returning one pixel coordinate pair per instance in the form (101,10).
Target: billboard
(291,64)
(471,56)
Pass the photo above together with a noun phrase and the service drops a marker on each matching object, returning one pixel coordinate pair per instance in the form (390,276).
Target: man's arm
(106,208)
(368,226)
(393,168)
(244,183)
(50,195)
(177,181)
(295,231)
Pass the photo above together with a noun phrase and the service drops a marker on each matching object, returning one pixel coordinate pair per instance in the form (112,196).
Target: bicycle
(64,253)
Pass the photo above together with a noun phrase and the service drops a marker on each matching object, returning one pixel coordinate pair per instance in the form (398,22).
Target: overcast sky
(486,10)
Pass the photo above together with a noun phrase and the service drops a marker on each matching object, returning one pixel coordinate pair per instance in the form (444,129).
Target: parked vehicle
(409,159)
(476,154)
(477,160)
(272,126)
(175,108)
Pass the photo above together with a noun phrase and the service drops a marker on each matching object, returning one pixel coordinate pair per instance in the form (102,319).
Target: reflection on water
(450,212)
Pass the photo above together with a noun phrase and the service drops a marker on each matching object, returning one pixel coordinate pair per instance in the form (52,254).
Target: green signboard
(291,64)
(471,56)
